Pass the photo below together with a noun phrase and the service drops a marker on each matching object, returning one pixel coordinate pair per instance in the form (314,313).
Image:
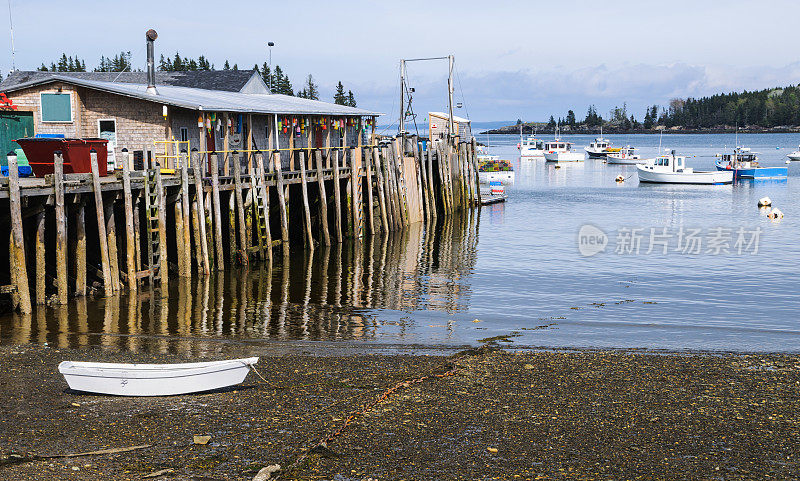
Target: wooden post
(162,234)
(130,237)
(337,197)
(217,213)
(281,202)
(304,185)
(423,170)
(61,227)
(179,232)
(418,171)
(349,226)
(370,213)
(381,194)
(237,185)
(183,158)
(108,285)
(40,291)
(80,248)
(398,149)
(19,267)
(226,145)
(431,191)
(111,233)
(323,199)
(355,175)
(474,160)
(199,199)
(391,168)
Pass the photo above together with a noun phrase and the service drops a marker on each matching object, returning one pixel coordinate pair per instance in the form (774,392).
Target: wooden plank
(130,237)
(370,207)
(218,257)
(162,234)
(40,291)
(384,191)
(180,247)
(431,191)
(337,197)
(394,201)
(61,228)
(108,285)
(111,233)
(241,230)
(183,159)
(355,176)
(307,209)
(418,171)
(201,211)
(323,200)
(80,248)
(381,194)
(281,202)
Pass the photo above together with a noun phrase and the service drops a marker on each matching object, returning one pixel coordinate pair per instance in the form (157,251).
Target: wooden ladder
(261,197)
(152,203)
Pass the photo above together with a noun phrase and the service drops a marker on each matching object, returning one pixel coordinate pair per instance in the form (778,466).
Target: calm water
(516,269)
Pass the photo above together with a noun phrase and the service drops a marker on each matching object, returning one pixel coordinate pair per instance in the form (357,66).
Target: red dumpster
(75,152)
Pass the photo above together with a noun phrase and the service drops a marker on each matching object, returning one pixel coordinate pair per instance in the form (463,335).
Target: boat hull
(700,178)
(757,172)
(504,176)
(794,156)
(563,157)
(611,159)
(154,379)
(596,155)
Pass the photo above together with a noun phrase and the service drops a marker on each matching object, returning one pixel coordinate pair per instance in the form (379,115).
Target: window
(184,134)
(107,129)
(56,107)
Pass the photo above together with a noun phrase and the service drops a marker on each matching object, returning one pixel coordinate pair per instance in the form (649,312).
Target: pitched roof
(207,100)
(442,115)
(225,80)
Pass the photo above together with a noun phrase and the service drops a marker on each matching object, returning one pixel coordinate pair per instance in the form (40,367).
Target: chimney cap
(151,35)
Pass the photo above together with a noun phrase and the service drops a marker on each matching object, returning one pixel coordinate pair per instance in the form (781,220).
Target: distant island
(765,111)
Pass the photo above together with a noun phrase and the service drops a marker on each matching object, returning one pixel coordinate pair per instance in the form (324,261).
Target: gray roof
(206,100)
(227,80)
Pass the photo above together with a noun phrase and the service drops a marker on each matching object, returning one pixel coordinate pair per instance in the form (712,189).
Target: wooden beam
(199,200)
(108,285)
(80,248)
(337,197)
(40,291)
(162,234)
(281,202)
(183,158)
(237,185)
(370,213)
(219,259)
(381,193)
(61,228)
(260,172)
(306,208)
(323,199)
(111,233)
(130,237)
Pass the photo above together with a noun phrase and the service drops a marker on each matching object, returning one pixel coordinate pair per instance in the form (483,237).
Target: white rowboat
(154,379)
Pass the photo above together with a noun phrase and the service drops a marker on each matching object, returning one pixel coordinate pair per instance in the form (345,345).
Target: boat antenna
(13,50)
(660,136)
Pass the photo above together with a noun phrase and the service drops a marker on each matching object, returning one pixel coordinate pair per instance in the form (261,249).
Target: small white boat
(671,169)
(625,156)
(531,147)
(794,155)
(559,151)
(154,379)
(599,148)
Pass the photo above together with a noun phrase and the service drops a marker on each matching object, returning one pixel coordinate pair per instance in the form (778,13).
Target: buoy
(556,166)
(775,214)
(764,202)
(620,178)
(788,161)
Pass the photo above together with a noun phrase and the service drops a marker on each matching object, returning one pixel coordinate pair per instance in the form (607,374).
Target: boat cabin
(741,157)
(532,143)
(599,144)
(668,163)
(557,146)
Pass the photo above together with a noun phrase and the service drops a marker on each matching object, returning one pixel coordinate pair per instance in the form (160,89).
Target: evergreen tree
(310,89)
(551,123)
(340,98)
(164,64)
(571,118)
(202,63)
(227,66)
(351,100)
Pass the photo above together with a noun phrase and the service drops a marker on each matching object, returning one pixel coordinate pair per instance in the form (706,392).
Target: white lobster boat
(559,151)
(531,147)
(794,155)
(154,379)
(671,169)
(626,156)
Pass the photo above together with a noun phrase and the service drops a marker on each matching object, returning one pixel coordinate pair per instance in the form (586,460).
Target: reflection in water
(332,293)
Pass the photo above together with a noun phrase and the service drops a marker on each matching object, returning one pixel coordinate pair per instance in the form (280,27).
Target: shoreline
(514,130)
(582,414)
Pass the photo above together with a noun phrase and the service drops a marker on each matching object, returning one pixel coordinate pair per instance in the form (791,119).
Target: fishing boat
(744,164)
(671,169)
(492,169)
(794,155)
(598,149)
(531,147)
(560,151)
(154,379)
(495,194)
(626,156)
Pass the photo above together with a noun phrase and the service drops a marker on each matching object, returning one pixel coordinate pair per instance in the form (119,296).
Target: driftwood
(27,458)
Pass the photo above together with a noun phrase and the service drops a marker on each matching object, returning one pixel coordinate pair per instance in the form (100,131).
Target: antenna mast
(13,50)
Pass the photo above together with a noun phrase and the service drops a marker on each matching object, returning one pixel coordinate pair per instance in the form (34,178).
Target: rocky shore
(480,414)
(543,129)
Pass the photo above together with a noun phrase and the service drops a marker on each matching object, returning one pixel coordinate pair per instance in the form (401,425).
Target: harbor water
(573,259)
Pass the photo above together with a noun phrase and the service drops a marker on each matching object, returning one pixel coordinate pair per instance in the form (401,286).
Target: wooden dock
(74,234)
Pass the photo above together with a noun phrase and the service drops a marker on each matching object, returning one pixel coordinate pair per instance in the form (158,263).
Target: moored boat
(599,148)
(560,151)
(794,155)
(744,165)
(671,169)
(154,379)
(625,156)
(531,147)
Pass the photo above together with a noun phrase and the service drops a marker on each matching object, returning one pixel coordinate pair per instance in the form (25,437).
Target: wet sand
(493,415)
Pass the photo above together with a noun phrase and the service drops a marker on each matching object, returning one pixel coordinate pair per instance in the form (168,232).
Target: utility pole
(402,102)
(270,45)
(450,60)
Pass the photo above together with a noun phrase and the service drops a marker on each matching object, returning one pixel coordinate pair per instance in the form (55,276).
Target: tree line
(277,81)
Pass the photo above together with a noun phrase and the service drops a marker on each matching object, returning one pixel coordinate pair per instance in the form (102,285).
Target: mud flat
(481,414)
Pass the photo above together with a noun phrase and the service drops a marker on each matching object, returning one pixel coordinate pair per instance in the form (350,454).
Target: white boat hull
(531,153)
(794,156)
(504,176)
(689,177)
(154,379)
(612,159)
(563,157)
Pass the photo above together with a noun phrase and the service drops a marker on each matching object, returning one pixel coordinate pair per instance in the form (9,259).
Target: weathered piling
(17,247)
(400,185)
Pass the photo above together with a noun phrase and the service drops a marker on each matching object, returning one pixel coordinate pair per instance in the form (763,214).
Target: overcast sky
(514,59)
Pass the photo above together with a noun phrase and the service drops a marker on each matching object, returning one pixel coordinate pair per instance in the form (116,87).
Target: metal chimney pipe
(151,62)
